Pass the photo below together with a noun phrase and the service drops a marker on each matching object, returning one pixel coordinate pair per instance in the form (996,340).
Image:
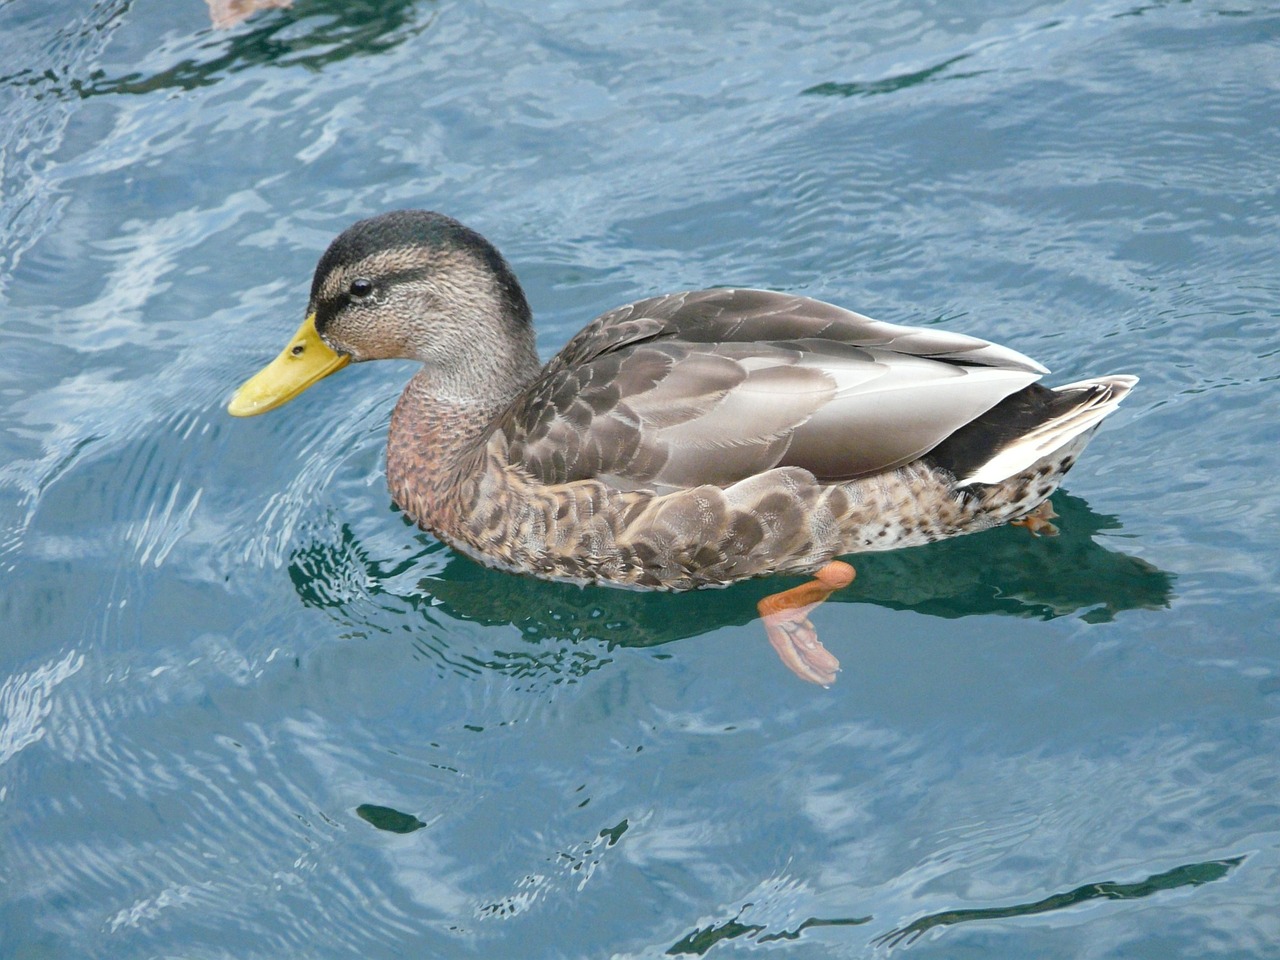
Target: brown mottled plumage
(683,441)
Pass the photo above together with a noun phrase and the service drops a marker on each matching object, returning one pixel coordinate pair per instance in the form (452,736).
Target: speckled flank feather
(780,521)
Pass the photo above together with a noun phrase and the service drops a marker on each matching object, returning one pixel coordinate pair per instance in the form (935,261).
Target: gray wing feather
(714,386)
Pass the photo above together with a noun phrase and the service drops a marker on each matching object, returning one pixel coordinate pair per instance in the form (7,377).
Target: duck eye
(360,288)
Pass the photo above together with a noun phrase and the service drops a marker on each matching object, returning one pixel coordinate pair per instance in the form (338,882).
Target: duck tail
(1066,414)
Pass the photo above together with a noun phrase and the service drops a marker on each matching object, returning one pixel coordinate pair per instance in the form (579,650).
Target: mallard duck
(688,440)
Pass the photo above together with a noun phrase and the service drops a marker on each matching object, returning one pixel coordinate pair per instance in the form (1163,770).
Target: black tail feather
(1016,415)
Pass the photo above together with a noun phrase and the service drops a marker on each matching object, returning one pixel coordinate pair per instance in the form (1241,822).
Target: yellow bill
(305,360)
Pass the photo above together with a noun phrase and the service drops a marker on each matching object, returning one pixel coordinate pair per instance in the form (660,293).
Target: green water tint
(1004,571)
(871,88)
(388,819)
(700,941)
(337,31)
(1188,875)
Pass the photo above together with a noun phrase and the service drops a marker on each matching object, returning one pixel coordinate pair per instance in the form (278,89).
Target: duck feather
(715,386)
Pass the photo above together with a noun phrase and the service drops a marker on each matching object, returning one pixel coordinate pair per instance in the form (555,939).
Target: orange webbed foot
(792,634)
(1037,521)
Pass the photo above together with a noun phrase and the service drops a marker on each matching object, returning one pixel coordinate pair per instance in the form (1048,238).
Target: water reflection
(388,818)
(745,923)
(1187,875)
(704,938)
(319,34)
(902,81)
(1004,572)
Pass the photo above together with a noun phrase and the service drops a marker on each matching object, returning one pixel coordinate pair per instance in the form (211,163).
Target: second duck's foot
(786,621)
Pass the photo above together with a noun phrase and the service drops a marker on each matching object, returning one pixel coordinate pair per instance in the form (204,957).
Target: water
(246,710)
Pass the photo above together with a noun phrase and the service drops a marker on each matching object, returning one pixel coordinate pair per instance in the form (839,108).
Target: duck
(688,440)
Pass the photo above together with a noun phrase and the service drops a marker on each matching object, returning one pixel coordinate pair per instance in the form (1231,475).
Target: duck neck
(435,440)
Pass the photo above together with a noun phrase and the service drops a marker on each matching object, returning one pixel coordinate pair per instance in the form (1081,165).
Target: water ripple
(25,703)
(247,710)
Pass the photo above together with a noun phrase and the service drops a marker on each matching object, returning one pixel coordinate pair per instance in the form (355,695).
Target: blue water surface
(247,710)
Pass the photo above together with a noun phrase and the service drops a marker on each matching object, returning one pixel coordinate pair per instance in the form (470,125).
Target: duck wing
(714,386)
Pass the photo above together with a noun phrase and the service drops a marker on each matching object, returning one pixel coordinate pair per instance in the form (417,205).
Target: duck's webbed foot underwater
(1038,521)
(786,615)
(786,621)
